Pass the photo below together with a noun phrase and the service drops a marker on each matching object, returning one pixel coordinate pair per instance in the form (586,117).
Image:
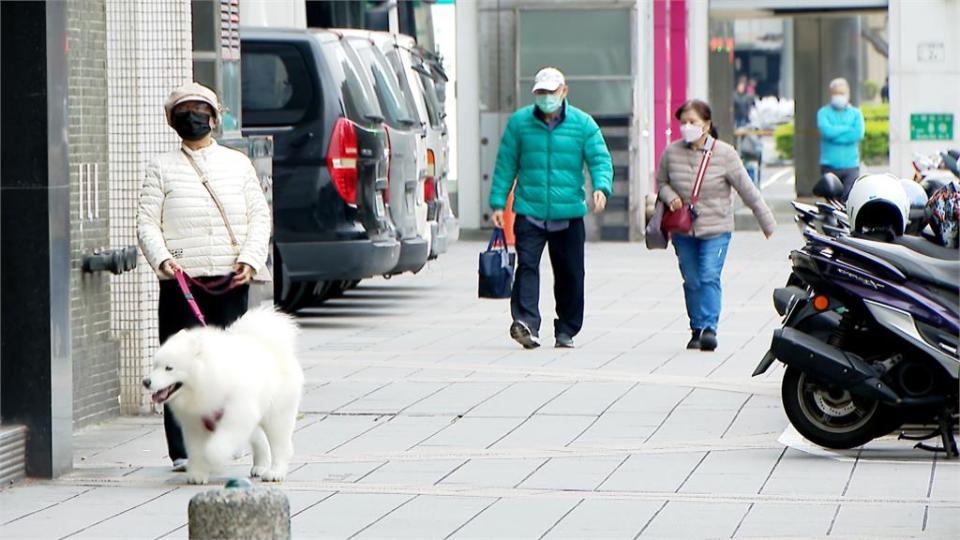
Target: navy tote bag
(496,268)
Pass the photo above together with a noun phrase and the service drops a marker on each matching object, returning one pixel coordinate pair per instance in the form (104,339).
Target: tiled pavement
(422,420)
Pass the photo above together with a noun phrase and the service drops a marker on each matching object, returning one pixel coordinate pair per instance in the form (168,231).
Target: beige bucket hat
(192,91)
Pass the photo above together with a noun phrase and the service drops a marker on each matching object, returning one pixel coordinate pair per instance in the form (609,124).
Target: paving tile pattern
(421,419)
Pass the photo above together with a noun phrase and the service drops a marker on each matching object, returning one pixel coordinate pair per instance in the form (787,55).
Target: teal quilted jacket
(548,164)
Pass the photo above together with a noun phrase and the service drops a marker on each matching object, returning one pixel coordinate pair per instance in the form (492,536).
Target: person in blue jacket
(544,149)
(841,130)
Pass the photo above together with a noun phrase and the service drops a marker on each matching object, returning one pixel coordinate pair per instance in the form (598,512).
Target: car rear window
(396,64)
(432,100)
(276,85)
(389,95)
(359,99)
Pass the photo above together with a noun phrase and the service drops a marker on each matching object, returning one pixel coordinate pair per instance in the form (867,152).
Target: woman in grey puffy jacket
(703,252)
(181,227)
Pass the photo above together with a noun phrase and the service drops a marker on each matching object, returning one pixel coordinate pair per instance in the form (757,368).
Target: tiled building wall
(96,359)
(149,53)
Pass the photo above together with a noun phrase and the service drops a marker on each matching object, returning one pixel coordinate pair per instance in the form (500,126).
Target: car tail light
(430,182)
(342,160)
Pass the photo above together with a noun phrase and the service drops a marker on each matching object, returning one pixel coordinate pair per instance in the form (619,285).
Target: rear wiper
(376,119)
(407,123)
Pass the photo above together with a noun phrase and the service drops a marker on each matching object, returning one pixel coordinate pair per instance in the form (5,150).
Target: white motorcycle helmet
(878,204)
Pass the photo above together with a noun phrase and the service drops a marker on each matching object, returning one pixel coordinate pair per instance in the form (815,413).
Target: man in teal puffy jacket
(542,156)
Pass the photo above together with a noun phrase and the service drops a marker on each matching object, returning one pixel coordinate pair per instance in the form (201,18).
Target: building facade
(82,102)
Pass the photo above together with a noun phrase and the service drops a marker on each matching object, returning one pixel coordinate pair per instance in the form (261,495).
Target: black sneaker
(694,342)
(522,334)
(708,340)
(564,341)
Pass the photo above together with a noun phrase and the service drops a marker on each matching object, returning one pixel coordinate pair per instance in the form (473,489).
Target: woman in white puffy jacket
(208,231)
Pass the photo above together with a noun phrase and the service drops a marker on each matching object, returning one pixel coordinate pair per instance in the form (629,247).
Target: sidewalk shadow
(329,324)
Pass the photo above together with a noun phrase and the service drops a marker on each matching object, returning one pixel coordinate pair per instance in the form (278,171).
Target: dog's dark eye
(168,368)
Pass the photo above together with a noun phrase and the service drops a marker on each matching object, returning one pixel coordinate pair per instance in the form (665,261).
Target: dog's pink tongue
(159,396)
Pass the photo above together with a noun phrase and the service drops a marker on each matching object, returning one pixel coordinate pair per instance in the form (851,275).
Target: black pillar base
(35,373)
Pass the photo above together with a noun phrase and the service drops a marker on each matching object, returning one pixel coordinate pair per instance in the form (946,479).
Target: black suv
(330,162)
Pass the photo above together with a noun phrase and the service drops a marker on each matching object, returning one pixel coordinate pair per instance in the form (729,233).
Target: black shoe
(694,339)
(708,340)
(564,341)
(522,334)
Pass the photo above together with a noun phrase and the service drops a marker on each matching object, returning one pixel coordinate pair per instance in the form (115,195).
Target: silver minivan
(406,201)
(416,80)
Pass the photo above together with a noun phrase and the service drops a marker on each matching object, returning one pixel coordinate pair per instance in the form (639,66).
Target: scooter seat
(928,248)
(938,272)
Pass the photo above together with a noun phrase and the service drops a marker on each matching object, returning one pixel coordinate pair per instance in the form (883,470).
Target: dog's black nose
(146,382)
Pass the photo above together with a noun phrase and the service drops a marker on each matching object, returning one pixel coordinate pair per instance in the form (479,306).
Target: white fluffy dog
(228,387)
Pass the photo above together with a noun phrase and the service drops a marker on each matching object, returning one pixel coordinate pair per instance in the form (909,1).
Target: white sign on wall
(931,51)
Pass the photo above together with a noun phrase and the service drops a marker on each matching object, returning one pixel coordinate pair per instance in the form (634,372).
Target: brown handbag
(681,220)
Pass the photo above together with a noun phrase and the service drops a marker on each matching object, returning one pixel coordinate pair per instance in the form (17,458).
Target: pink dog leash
(215,288)
(181,278)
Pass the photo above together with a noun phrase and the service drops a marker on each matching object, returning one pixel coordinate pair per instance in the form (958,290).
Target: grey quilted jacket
(678,170)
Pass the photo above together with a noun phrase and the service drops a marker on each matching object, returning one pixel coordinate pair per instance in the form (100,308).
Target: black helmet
(829,187)
(932,185)
(950,161)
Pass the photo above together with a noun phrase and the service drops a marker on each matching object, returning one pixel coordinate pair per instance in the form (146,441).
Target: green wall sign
(931,127)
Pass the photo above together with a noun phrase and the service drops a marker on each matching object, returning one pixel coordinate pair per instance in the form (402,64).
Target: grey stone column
(721,82)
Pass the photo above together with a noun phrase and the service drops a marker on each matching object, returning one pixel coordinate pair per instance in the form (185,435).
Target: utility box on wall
(259,149)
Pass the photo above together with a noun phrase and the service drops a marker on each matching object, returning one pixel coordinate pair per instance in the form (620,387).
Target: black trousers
(566,258)
(174,314)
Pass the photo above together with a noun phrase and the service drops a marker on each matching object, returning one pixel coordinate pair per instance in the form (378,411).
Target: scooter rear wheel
(831,417)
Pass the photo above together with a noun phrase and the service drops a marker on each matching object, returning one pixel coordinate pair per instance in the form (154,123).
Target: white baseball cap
(548,79)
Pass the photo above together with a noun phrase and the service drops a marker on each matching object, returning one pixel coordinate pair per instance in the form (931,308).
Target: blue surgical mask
(548,103)
(839,101)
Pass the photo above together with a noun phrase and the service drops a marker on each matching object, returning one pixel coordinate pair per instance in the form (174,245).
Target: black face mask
(191,125)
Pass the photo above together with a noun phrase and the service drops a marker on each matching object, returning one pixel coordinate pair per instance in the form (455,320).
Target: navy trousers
(566,258)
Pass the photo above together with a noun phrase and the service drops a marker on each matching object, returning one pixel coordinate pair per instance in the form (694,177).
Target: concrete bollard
(239,511)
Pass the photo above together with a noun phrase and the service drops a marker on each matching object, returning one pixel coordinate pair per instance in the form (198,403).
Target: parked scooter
(941,166)
(870,340)
(828,218)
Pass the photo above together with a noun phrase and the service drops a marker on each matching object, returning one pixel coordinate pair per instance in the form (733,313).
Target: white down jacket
(178,219)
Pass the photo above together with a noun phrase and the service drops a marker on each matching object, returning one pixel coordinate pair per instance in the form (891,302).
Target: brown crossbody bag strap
(213,195)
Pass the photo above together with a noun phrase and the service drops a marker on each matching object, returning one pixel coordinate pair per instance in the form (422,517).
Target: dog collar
(210,422)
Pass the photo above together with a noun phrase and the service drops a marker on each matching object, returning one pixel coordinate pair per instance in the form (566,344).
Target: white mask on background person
(691,132)
(839,101)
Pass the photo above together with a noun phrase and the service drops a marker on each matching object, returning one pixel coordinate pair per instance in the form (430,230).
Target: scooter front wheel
(831,417)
